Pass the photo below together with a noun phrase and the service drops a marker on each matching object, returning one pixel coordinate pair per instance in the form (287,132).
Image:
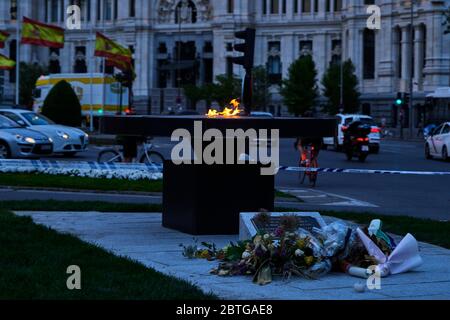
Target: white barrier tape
(81,165)
(364,171)
(95,166)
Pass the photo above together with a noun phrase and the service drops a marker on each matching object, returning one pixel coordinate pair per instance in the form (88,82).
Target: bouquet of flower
(290,250)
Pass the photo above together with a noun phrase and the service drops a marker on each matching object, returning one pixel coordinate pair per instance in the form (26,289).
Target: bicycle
(308,160)
(146,154)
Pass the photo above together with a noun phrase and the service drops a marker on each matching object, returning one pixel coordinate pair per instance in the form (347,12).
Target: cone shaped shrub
(62,105)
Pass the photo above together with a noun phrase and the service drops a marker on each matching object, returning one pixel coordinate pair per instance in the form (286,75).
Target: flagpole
(92,59)
(18,54)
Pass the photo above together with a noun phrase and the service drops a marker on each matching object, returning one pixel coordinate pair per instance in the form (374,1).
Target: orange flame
(231,111)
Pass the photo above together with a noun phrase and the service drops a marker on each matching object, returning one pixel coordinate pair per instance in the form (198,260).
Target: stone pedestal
(207,200)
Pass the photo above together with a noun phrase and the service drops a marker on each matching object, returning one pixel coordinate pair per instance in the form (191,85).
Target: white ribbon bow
(405,256)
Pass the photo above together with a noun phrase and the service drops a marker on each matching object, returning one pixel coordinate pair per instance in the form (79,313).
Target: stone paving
(140,237)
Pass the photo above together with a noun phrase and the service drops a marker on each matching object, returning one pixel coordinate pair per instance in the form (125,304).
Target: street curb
(129,193)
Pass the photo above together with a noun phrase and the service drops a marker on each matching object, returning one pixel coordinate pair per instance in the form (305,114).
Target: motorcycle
(356,141)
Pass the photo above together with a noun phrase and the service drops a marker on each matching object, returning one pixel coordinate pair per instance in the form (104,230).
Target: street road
(421,196)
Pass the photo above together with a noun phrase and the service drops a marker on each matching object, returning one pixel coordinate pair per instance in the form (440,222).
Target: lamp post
(341,76)
(411,80)
(178,101)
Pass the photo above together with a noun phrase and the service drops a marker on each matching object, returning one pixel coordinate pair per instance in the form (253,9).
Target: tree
(194,94)
(299,90)
(331,85)
(62,105)
(29,73)
(261,93)
(226,88)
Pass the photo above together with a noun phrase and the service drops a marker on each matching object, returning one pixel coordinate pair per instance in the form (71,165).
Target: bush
(62,105)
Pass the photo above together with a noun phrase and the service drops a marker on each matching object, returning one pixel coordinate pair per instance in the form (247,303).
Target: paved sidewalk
(141,237)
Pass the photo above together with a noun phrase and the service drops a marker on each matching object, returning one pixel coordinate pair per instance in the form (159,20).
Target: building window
(327,5)
(132,8)
(162,48)
(230,6)
(186,12)
(208,47)
(274,6)
(229,67)
(116,9)
(53,65)
(284,7)
(368,54)
(399,53)
(99,10)
(13,9)
(54,10)
(306,48)
(295,6)
(336,51)
(337,5)
(274,62)
(88,10)
(80,60)
(264,5)
(316,6)
(306,6)
(208,70)
(107,10)
(46,10)
(62,11)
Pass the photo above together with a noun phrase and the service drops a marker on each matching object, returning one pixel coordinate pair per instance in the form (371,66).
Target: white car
(344,120)
(438,142)
(66,140)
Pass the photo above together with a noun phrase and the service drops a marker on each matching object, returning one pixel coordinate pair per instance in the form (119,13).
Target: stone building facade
(177,42)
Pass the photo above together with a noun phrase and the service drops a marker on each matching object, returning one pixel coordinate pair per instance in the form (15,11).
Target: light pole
(178,60)
(341,76)
(411,76)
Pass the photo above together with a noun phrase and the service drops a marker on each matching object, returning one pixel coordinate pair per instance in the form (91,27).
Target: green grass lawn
(426,230)
(78,183)
(34,260)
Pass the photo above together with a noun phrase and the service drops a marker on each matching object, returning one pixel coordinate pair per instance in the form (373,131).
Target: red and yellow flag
(6,63)
(105,47)
(41,34)
(3,36)
(119,64)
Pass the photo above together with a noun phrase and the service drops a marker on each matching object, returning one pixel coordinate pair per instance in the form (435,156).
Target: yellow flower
(301,243)
(309,260)
(204,254)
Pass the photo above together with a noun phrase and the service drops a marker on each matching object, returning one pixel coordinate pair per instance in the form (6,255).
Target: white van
(104,96)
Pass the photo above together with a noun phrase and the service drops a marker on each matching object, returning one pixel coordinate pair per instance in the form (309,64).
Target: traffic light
(246,60)
(399,100)
(247,48)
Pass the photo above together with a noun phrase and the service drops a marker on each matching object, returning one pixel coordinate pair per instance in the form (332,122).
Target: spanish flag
(3,36)
(40,34)
(119,64)
(122,66)
(6,63)
(105,47)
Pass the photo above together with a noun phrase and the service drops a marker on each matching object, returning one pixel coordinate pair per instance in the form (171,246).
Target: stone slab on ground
(140,237)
